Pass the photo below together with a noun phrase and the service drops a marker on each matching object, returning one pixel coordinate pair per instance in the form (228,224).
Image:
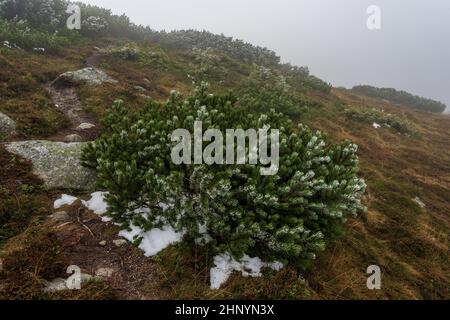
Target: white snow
(376,125)
(419,202)
(98,204)
(131,234)
(157,239)
(64,200)
(225,264)
(153,241)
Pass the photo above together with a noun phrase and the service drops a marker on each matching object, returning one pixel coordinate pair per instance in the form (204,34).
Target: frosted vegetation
(42,24)
(402,97)
(285,217)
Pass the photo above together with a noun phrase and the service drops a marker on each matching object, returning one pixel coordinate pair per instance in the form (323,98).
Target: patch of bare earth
(88,242)
(67,102)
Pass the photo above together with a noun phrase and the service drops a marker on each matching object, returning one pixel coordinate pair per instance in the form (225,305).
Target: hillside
(403,157)
(401,97)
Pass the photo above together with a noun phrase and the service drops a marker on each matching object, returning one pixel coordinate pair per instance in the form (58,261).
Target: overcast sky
(410,52)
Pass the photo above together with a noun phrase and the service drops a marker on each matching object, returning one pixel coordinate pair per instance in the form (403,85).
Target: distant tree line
(401,97)
(237,49)
(50,16)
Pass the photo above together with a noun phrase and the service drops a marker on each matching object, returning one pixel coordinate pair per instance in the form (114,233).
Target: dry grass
(409,243)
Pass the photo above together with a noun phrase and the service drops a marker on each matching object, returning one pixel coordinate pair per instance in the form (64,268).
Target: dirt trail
(133,276)
(85,240)
(66,100)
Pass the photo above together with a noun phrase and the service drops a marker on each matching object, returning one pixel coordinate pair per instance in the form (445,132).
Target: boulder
(56,163)
(7,125)
(91,76)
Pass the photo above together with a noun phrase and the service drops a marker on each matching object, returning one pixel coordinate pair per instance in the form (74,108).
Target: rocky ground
(85,240)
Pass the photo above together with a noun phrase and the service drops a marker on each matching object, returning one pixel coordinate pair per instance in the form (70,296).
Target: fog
(411,51)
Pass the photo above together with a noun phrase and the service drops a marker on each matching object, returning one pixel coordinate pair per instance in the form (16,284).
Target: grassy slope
(409,243)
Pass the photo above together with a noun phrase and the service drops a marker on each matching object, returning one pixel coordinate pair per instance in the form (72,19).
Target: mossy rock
(56,163)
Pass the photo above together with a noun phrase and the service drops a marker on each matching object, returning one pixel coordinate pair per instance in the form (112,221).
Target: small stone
(102,243)
(120,242)
(139,88)
(419,202)
(104,272)
(73,138)
(60,216)
(86,126)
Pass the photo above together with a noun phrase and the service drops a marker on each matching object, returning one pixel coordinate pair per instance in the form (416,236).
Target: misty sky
(411,52)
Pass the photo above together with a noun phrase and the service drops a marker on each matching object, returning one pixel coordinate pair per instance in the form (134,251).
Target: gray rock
(104,272)
(7,125)
(56,163)
(102,243)
(91,76)
(120,242)
(60,216)
(86,126)
(73,138)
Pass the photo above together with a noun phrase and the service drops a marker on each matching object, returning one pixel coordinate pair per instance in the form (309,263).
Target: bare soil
(135,276)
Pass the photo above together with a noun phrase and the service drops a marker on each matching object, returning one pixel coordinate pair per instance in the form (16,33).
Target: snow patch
(157,239)
(98,204)
(225,264)
(153,241)
(419,202)
(64,200)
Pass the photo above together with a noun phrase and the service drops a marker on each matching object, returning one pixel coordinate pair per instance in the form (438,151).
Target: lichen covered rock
(91,76)
(56,163)
(7,125)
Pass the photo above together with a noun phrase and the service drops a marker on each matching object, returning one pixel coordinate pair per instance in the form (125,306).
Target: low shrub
(18,35)
(287,216)
(380,117)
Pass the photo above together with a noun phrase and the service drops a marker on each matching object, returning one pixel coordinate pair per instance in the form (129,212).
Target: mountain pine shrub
(265,89)
(373,115)
(401,97)
(287,216)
